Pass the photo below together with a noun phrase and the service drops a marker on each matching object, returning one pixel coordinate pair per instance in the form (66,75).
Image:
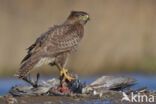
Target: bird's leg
(64,76)
(35,85)
(61,62)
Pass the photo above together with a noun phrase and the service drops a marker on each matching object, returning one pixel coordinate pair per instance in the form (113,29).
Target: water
(148,81)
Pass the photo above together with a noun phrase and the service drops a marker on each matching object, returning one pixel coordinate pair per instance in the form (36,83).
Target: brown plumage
(54,46)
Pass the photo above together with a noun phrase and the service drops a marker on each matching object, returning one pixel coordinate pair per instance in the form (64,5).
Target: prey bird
(55,46)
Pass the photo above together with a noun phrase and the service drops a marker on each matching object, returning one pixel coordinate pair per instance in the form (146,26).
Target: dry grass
(121,35)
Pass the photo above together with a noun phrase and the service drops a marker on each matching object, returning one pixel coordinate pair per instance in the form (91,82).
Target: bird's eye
(85,17)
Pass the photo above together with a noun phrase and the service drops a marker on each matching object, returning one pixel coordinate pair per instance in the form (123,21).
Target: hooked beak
(88,19)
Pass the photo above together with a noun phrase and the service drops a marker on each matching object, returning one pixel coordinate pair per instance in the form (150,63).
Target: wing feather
(56,40)
(65,39)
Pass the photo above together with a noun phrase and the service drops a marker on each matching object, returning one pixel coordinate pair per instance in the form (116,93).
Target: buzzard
(55,46)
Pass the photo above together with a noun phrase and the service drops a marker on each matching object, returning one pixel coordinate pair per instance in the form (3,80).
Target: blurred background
(120,38)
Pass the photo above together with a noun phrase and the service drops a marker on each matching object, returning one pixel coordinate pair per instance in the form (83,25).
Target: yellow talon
(63,73)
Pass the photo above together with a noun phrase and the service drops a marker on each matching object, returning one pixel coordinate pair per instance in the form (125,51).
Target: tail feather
(26,58)
(25,68)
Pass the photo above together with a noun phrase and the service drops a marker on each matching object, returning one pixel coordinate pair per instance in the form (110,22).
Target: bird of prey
(55,46)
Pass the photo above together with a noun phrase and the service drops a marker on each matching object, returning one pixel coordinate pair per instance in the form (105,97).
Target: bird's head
(78,17)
